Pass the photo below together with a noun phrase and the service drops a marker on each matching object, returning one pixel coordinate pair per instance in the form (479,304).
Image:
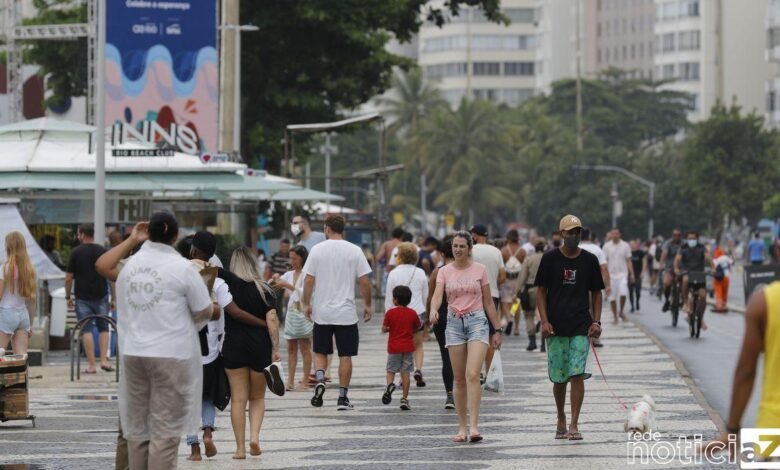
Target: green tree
(463,153)
(731,165)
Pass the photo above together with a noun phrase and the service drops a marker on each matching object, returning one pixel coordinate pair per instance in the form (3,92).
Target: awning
(12,222)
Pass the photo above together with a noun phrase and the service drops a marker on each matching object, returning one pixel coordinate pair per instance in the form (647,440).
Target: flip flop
(575,436)
(254,449)
(561,434)
(476,437)
(90,372)
(460,438)
(107,368)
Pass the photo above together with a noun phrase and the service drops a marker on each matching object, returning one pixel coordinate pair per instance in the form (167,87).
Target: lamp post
(237,90)
(650,185)
(100,125)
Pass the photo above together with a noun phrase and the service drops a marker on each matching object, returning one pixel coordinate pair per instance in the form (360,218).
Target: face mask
(556,243)
(295,229)
(571,242)
(692,243)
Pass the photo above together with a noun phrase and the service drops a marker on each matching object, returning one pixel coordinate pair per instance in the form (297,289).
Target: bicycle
(696,280)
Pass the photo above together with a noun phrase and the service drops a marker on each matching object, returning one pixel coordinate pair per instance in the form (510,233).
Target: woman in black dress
(248,349)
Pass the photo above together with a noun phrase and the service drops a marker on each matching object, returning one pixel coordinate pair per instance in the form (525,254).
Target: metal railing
(75,344)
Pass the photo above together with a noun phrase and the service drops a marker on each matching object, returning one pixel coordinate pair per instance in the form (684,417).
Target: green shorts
(567,357)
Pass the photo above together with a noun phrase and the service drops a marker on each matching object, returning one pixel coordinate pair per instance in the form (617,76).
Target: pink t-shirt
(463,287)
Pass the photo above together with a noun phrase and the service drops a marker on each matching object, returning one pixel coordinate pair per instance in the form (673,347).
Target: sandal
(90,372)
(476,437)
(289,388)
(107,368)
(575,436)
(561,434)
(254,449)
(460,438)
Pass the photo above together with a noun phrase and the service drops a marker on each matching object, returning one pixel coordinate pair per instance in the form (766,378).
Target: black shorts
(347,339)
(497,304)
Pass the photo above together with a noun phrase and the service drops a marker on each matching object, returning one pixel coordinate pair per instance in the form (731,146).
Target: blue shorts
(472,326)
(85,308)
(14,319)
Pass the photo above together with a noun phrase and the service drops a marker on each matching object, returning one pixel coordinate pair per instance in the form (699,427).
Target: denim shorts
(472,326)
(14,319)
(85,308)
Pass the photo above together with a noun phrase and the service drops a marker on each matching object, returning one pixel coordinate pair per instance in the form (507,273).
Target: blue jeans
(208,414)
(472,326)
(85,308)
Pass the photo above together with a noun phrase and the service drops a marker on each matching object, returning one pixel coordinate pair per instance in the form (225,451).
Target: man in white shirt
(490,257)
(588,245)
(163,303)
(329,300)
(618,254)
(530,245)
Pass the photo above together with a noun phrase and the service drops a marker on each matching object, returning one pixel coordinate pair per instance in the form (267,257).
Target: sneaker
(418,377)
(344,404)
(482,378)
(665,308)
(405,404)
(387,397)
(273,378)
(450,403)
(319,391)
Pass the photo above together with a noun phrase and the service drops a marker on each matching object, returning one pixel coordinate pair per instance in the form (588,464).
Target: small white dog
(641,416)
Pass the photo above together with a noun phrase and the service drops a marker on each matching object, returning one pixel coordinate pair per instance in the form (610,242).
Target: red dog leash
(604,377)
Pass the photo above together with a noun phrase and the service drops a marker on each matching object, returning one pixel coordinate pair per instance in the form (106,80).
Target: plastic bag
(495,376)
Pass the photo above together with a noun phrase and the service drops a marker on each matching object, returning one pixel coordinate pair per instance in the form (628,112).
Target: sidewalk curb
(716,418)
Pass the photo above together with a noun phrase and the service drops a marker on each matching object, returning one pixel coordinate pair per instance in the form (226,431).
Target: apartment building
(772,55)
(473,57)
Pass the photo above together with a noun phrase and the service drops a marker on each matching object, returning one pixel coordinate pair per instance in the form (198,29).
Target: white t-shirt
(221,293)
(295,295)
(158,292)
(412,277)
(617,254)
(491,258)
(594,249)
(335,265)
(10,300)
(529,248)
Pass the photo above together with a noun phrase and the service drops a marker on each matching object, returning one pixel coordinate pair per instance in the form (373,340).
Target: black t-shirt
(636,260)
(280,263)
(569,282)
(89,284)
(692,258)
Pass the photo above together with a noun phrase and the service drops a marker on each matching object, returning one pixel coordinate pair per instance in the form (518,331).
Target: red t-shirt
(403,322)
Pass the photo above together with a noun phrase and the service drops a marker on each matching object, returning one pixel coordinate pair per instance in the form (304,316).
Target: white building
(714,50)
(556,37)
(773,58)
(473,57)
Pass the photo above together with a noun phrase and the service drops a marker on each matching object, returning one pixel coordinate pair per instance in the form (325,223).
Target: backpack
(513,265)
(720,273)
(658,251)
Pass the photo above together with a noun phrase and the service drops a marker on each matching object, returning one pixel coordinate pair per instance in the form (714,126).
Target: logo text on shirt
(143,289)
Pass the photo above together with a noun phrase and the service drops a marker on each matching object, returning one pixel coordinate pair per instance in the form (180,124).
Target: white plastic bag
(495,376)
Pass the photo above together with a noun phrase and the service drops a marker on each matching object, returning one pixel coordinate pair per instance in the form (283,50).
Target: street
(712,358)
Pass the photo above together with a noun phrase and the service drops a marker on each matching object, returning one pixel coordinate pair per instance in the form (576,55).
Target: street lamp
(100,124)
(237,91)
(650,185)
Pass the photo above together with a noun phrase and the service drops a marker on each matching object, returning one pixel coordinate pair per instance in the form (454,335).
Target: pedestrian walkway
(518,426)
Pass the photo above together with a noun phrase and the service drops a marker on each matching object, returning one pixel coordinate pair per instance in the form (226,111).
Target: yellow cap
(569,222)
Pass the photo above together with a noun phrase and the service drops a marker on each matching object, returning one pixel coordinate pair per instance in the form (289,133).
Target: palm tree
(411,99)
(464,155)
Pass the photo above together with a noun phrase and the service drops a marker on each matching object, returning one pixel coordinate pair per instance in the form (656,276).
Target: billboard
(162,66)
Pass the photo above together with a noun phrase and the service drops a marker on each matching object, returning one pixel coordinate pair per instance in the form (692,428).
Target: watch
(500,330)
(597,322)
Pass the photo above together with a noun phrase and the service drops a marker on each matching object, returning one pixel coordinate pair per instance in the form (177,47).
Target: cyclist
(668,253)
(693,256)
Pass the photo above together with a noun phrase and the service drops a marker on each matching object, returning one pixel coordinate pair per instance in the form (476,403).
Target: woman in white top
(408,274)
(297,329)
(17,294)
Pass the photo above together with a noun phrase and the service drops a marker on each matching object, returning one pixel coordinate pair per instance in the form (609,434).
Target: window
(515,96)
(694,103)
(454,69)
(453,97)
(487,94)
(487,68)
(689,71)
(598,55)
(521,15)
(625,52)
(598,29)
(688,41)
(525,68)
(689,8)
(633,51)
(641,50)
(773,37)
(667,71)
(482,42)
(771,102)
(606,55)
(667,42)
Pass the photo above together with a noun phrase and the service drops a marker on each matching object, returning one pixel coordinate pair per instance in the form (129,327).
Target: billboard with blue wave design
(162,65)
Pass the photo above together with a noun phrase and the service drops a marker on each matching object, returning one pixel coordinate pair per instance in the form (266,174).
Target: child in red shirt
(401,322)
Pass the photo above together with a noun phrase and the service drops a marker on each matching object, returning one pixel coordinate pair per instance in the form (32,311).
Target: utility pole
(579,80)
(237,82)
(100,124)
(423,202)
(328,149)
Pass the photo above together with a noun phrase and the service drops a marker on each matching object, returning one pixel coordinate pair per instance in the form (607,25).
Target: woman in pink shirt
(468,295)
